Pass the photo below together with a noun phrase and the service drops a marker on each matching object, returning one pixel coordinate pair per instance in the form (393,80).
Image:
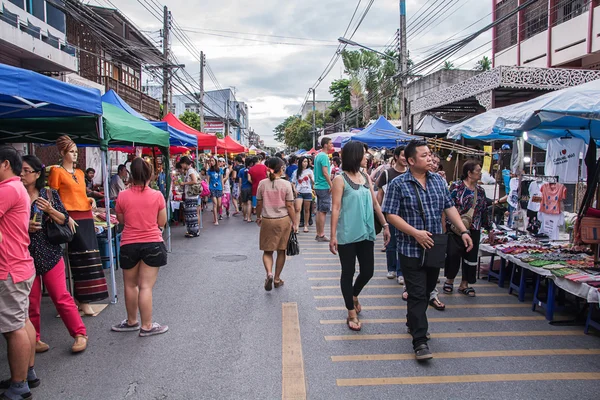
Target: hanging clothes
(535,197)
(553,194)
(563,158)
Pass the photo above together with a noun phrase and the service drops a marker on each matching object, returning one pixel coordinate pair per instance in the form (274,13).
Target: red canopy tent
(231,146)
(205,141)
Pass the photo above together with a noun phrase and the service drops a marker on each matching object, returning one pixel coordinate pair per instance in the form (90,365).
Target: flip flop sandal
(269,283)
(357,306)
(356,321)
(448,287)
(278,284)
(438,305)
(470,292)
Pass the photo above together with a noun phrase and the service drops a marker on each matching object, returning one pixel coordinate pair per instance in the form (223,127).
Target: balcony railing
(139,101)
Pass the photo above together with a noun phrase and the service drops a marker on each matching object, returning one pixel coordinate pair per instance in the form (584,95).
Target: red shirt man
(257,173)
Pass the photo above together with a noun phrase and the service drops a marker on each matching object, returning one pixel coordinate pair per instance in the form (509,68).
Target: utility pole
(314,118)
(166,77)
(201,105)
(227,119)
(403,65)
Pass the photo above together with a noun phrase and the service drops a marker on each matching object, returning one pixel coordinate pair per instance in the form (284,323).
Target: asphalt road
(225,337)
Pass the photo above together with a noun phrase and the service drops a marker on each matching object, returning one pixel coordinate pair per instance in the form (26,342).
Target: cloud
(274,78)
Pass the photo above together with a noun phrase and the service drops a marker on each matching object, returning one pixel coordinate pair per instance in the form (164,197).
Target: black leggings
(364,251)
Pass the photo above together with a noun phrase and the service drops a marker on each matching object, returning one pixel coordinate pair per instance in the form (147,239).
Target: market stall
(382,134)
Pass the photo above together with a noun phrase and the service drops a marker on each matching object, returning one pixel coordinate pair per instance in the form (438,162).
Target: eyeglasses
(27,172)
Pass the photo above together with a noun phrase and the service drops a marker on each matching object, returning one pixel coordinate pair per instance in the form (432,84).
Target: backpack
(205,190)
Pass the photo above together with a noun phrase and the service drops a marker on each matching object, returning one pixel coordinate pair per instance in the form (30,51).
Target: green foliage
(485,64)
(298,134)
(280,129)
(340,90)
(448,65)
(190,118)
(219,135)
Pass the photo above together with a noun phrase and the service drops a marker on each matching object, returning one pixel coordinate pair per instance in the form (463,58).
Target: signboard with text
(213,128)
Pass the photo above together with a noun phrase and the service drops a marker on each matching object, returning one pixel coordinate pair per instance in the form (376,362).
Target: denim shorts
(323,200)
(216,193)
(305,196)
(152,254)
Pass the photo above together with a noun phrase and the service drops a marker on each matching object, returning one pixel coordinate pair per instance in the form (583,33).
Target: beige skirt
(275,233)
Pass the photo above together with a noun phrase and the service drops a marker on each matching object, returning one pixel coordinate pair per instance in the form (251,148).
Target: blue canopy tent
(381,134)
(28,95)
(575,109)
(480,127)
(176,137)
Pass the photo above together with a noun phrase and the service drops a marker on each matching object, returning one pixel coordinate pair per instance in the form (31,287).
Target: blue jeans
(391,252)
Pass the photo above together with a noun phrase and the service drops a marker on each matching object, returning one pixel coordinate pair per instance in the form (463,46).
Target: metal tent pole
(113,280)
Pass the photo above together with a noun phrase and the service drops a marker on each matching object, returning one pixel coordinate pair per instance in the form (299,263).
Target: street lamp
(351,43)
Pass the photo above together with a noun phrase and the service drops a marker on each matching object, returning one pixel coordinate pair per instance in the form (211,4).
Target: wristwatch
(465,232)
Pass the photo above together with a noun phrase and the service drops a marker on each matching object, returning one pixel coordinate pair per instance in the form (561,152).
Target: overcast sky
(274,78)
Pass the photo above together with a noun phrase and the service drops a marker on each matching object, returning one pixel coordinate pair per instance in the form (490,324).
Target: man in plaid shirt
(403,211)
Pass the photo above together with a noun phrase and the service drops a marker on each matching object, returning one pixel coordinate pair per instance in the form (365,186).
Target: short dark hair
(37,166)
(121,168)
(185,160)
(87,171)
(239,158)
(292,159)
(249,162)
(352,156)
(10,154)
(141,171)
(337,160)
(178,165)
(324,141)
(399,150)
(411,148)
(469,166)
(335,154)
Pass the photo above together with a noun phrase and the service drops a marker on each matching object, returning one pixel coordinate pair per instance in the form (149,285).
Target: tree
(280,129)
(219,135)
(190,118)
(484,64)
(448,65)
(340,90)
(298,134)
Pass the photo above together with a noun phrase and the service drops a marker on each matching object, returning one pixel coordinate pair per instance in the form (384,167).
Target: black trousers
(348,253)
(457,256)
(419,283)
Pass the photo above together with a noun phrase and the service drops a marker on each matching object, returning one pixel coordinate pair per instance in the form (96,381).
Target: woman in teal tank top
(353,227)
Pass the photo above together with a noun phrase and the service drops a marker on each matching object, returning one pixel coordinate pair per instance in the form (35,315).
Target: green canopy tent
(116,127)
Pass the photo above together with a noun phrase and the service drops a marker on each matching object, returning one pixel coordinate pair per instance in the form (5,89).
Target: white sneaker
(391,275)
(401,280)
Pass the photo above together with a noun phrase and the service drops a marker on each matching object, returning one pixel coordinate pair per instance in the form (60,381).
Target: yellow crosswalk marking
(373,308)
(455,335)
(445,319)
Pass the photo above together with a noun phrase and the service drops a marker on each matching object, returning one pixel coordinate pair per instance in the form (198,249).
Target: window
(506,31)
(36,8)
(568,9)
(18,3)
(535,18)
(56,18)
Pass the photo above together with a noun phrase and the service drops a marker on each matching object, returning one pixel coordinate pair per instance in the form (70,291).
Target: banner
(212,127)
(487,160)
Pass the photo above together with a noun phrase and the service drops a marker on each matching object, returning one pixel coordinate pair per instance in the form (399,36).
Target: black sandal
(468,291)
(438,305)
(448,287)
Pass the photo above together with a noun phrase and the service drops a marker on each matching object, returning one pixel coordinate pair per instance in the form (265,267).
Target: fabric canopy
(380,134)
(430,125)
(231,146)
(480,126)
(176,137)
(204,140)
(575,109)
(27,94)
(338,137)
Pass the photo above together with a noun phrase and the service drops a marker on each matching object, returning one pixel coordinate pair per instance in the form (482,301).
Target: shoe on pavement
(422,353)
(391,275)
(80,344)
(156,329)
(322,238)
(27,395)
(41,347)
(5,384)
(125,327)
(401,280)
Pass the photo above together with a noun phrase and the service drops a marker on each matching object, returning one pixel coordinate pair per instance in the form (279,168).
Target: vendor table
(579,289)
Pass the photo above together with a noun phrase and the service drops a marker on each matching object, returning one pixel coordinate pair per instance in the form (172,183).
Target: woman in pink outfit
(46,205)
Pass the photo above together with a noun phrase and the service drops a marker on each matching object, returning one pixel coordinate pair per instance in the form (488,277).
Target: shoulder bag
(56,233)
(467,218)
(434,257)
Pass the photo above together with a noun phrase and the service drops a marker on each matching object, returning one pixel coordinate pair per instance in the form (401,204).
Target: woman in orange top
(84,256)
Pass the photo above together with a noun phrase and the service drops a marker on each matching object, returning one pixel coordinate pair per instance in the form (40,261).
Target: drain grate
(230,258)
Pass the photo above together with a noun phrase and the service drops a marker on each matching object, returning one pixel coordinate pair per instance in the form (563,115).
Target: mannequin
(84,256)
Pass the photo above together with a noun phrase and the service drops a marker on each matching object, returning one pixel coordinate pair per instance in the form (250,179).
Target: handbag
(56,234)
(293,248)
(467,218)
(435,257)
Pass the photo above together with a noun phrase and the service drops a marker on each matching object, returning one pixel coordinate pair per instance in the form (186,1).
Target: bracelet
(385,225)
(465,233)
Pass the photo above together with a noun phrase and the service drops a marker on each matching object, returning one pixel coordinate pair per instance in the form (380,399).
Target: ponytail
(271,176)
